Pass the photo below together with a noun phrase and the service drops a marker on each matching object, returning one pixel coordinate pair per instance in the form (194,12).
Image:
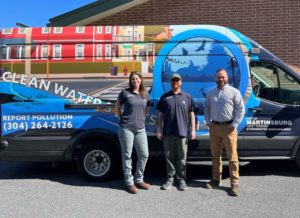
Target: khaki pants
(222,135)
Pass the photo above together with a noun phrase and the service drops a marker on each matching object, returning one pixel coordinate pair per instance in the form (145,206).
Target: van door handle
(256,109)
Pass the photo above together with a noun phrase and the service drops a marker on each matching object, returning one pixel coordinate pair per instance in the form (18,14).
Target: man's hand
(192,135)
(159,135)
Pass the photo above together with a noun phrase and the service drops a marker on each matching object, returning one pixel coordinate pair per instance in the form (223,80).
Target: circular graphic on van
(196,58)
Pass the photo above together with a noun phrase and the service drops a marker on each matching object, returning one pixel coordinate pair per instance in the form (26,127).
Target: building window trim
(99,52)
(80,29)
(44,50)
(6,31)
(108,29)
(77,50)
(22,30)
(46,30)
(107,52)
(57,57)
(99,29)
(58,30)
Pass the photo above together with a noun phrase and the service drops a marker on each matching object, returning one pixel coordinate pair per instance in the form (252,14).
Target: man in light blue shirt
(224,110)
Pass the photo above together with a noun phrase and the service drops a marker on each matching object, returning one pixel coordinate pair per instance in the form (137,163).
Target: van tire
(98,162)
(297,158)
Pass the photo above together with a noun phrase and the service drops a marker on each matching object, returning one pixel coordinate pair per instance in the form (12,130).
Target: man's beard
(175,87)
(220,85)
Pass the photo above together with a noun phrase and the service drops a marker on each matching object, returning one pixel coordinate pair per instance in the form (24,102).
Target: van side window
(272,83)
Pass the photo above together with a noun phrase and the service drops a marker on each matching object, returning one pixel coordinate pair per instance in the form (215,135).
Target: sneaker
(235,190)
(182,185)
(132,189)
(212,184)
(142,185)
(167,185)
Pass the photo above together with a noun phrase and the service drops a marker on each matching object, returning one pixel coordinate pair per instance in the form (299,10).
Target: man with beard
(176,121)
(224,110)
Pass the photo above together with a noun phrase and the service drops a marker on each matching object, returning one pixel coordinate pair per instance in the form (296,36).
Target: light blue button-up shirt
(224,104)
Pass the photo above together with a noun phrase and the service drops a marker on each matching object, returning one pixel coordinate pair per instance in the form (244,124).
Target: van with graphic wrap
(49,120)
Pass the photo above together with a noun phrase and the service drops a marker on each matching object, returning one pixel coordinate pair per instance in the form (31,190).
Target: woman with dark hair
(131,108)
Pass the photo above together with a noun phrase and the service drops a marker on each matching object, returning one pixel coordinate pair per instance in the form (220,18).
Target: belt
(222,123)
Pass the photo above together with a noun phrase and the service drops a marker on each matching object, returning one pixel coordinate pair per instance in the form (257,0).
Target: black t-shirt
(133,116)
(176,108)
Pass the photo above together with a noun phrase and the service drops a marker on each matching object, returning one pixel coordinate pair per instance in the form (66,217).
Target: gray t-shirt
(176,108)
(133,116)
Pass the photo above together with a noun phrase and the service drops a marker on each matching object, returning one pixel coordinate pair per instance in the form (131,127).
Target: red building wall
(68,39)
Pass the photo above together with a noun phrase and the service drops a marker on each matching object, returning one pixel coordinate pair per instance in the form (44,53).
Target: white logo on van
(43,84)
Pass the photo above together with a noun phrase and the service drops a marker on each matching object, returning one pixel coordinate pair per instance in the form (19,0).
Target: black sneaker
(181,185)
(167,185)
(212,184)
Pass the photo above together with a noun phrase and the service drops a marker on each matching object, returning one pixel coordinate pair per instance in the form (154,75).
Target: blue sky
(35,13)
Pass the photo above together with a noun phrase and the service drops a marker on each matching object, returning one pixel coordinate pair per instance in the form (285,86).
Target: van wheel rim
(96,163)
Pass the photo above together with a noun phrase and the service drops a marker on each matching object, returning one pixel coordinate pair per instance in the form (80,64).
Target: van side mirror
(255,51)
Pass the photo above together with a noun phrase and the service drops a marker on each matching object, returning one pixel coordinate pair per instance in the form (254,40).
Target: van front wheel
(98,162)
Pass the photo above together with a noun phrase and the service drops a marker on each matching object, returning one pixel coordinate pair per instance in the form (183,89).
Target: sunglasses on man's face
(175,80)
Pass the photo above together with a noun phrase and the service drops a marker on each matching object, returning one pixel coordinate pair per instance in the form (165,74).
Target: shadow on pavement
(197,174)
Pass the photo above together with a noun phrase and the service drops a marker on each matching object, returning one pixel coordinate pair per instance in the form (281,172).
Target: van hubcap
(96,163)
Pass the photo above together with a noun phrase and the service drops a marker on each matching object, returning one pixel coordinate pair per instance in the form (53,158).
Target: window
(34,49)
(57,30)
(22,30)
(44,52)
(80,29)
(135,35)
(114,50)
(4,52)
(56,52)
(272,83)
(21,52)
(128,38)
(13,52)
(99,29)
(127,54)
(79,51)
(46,30)
(99,51)
(108,29)
(107,51)
(7,31)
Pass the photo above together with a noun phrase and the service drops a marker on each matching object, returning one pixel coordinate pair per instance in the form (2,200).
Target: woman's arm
(118,109)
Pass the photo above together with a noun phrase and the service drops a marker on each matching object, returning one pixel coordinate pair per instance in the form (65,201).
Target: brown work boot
(212,184)
(235,190)
(132,189)
(142,185)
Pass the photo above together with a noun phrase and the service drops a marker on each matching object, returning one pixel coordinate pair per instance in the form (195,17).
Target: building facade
(58,44)
(274,24)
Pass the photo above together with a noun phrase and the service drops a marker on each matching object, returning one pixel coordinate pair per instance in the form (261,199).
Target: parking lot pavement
(268,189)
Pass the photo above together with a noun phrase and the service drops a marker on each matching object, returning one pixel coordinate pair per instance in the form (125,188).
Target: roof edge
(93,12)
(109,12)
